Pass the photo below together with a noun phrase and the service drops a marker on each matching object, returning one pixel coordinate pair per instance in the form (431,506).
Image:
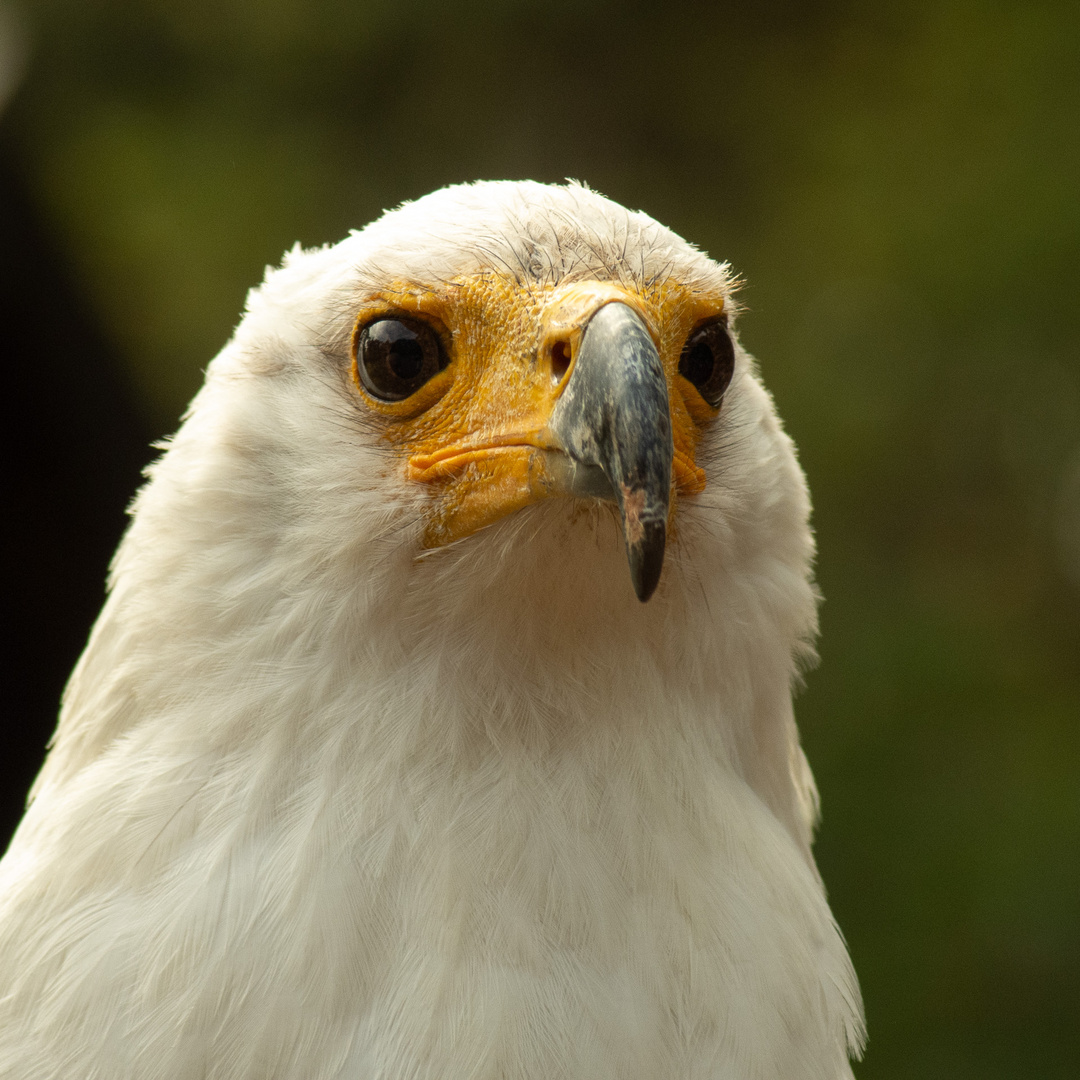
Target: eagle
(438,722)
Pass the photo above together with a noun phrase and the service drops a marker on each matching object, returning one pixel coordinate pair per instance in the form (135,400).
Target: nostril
(560,360)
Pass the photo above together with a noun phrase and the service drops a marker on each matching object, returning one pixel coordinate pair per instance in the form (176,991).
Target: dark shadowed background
(900,186)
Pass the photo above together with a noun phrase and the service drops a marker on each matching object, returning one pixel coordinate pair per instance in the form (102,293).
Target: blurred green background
(900,186)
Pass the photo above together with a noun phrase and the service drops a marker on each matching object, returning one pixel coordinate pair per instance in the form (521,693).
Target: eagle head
(438,721)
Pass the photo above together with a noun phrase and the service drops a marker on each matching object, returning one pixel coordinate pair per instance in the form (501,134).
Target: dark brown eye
(395,357)
(708,360)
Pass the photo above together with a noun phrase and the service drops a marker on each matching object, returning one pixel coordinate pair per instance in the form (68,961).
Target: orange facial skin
(477,433)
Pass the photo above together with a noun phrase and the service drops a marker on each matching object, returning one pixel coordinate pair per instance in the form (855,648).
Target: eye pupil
(708,360)
(395,357)
(406,359)
(699,363)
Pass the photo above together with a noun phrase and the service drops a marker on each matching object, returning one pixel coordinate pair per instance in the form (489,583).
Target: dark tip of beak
(647,559)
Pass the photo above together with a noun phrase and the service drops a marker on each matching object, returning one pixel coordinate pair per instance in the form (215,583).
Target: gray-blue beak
(614,423)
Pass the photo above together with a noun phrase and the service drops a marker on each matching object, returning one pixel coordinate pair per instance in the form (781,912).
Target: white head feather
(326,804)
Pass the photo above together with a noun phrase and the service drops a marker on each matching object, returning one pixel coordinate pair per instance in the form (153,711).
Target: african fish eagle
(376,765)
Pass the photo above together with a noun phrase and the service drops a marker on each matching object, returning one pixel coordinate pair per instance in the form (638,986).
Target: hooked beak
(511,430)
(613,424)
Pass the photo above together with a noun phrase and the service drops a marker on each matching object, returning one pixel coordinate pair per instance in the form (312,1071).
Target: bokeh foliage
(900,186)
